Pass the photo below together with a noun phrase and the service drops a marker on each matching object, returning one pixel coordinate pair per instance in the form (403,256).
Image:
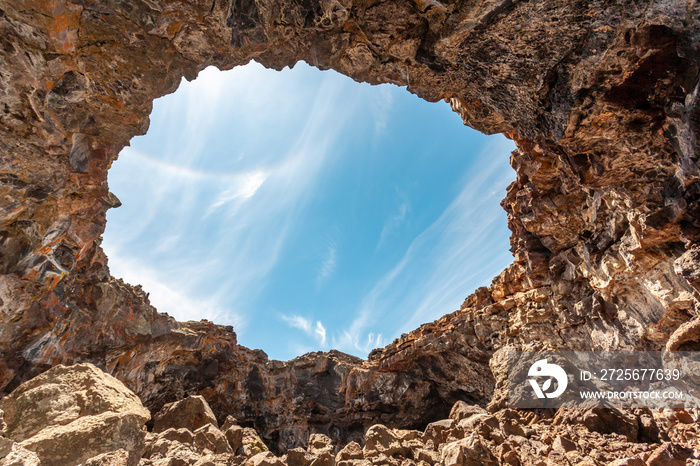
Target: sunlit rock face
(600,98)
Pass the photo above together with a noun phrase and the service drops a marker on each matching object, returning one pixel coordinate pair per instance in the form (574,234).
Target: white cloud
(317,332)
(244,188)
(395,221)
(299,322)
(320,332)
(329,264)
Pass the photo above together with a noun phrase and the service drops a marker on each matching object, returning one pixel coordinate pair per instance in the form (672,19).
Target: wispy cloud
(222,199)
(447,261)
(329,263)
(396,220)
(320,333)
(299,322)
(316,331)
(244,189)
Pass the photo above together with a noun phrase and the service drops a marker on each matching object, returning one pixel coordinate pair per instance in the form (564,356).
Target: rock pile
(78,415)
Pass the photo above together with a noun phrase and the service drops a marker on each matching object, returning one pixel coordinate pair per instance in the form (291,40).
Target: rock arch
(600,97)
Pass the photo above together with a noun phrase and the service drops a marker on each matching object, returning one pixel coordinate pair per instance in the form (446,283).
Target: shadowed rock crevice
(600,98)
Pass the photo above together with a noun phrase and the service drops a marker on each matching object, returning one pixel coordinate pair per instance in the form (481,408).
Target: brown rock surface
(191,413)
(63,394)
(600,98)
(70,414)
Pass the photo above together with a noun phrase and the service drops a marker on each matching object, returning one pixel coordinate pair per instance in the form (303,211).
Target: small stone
(265,458)
(634,461)
(670,454)
(5,446)
(470,451)
(563,445)
(351,451)
(113,458)
(379,439)
(324,459)
(429,456)
(684,417)
(230,421)
(319,443)
(483,424)
(252,444)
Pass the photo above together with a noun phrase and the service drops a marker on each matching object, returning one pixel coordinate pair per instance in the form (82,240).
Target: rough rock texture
(63,394)
(191,413)
(69,415)
(600,98)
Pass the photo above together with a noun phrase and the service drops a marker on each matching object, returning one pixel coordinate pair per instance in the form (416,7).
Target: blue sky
(307,210)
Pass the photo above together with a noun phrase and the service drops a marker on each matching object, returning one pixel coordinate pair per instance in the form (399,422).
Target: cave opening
(309,211)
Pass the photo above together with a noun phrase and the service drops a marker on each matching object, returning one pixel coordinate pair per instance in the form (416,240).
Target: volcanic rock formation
(92,419)
(599,96)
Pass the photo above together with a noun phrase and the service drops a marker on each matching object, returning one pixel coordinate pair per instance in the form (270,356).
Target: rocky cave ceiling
(600,98)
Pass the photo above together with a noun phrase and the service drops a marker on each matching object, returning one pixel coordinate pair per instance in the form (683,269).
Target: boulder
(63,394)
(299,457)
(191,413)
(381,440)
(470,451)
(462,410)
(483,424)
(89,436)
(438,431)
(670,454)
(252,444)
(319,444)
(172,443)
(211,438)
(234,435)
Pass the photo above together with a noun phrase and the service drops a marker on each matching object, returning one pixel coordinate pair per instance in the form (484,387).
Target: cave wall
(599,96)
